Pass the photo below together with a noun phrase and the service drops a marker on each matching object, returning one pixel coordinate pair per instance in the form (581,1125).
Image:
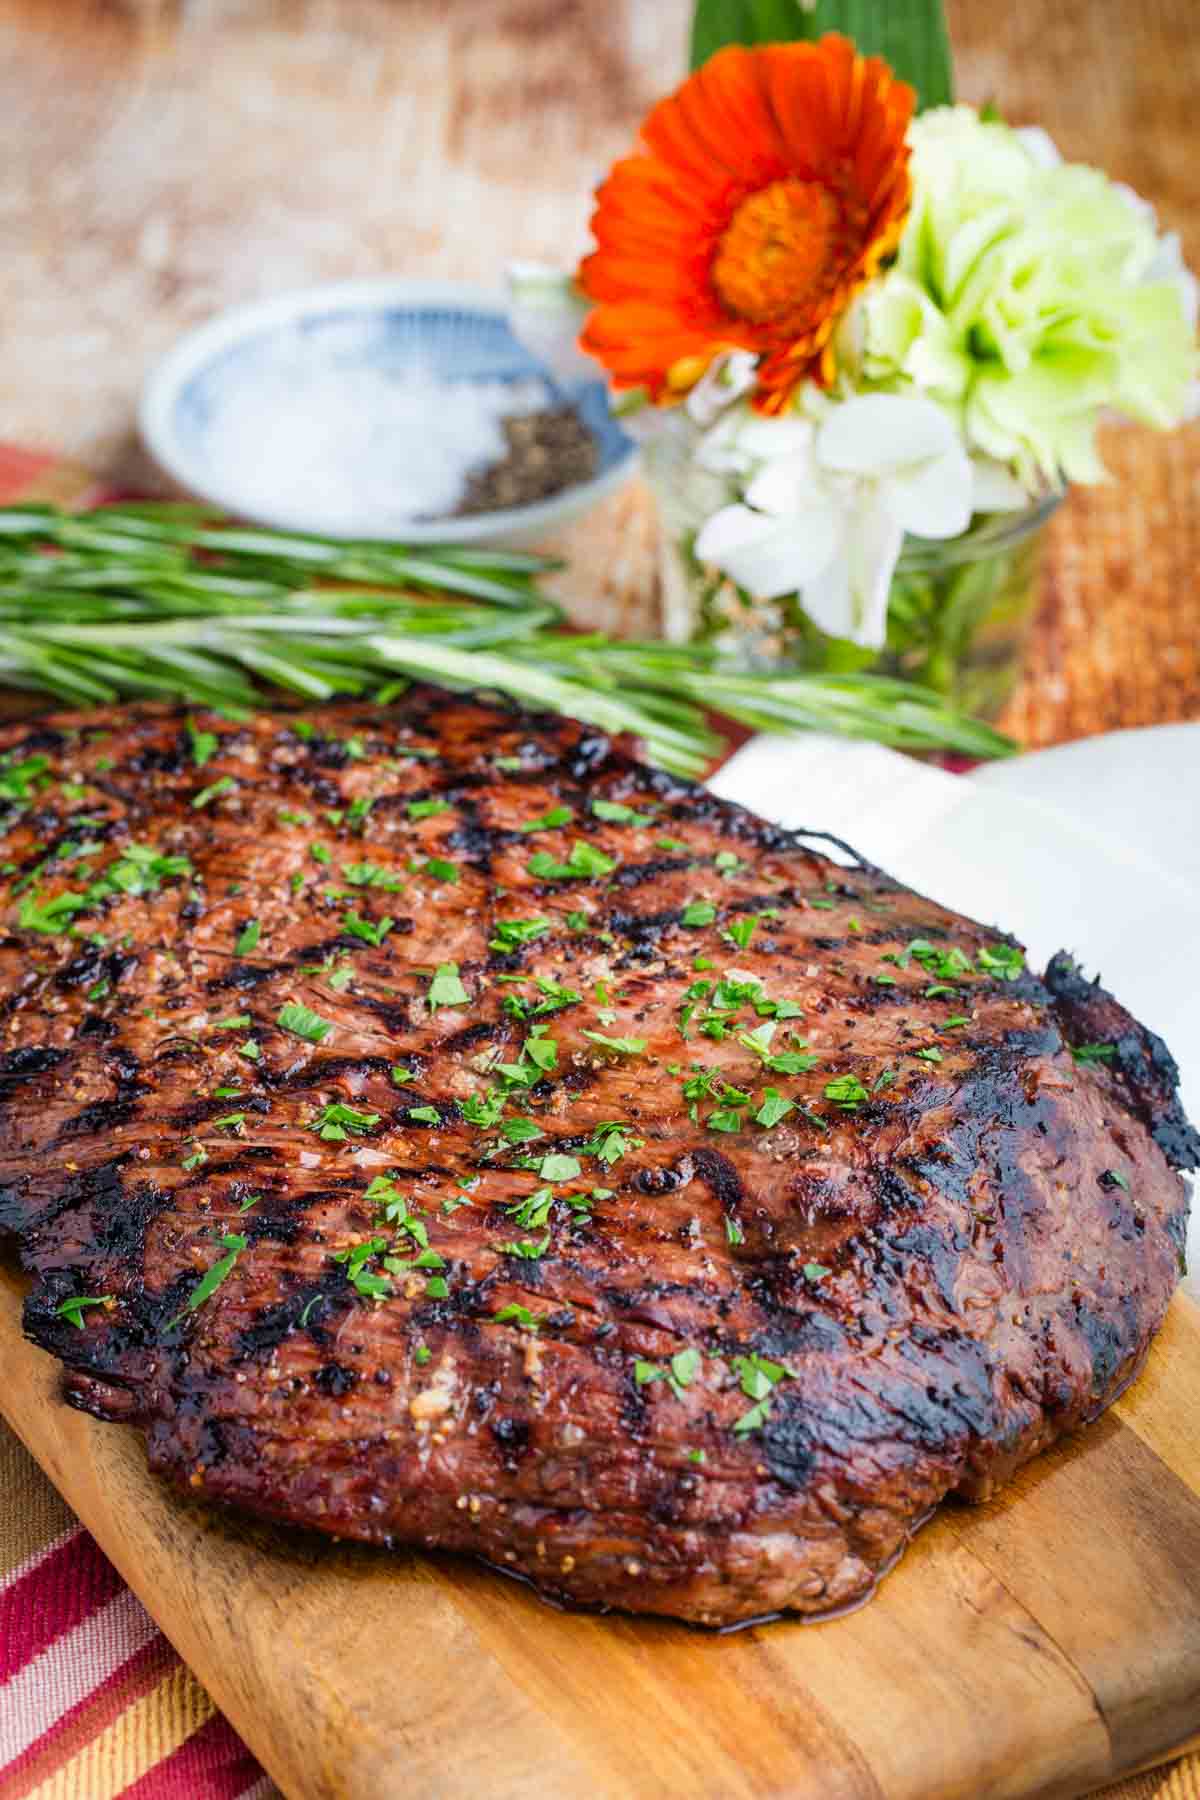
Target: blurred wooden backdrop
(160,159)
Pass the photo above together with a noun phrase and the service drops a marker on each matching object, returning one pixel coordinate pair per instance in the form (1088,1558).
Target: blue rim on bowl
(455,329)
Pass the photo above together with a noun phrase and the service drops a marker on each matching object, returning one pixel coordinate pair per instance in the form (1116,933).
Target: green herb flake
(774,1108)
(617,814)
(515,1314)
(847,1091)
(734,1234)
(73,1309)
(207,795)
(740,932)
(1093,1053)
(233,1243)
(302,1022)
(335,1121)
(369,874)
(366,930)
(446,989)
(422,1354)
(427,809)
(248,937)
(439,870)
(621,1046)
(698,912)
(584,860)
(1005,961)
(557,1166)
(549,821)
(204,744)
(511,934)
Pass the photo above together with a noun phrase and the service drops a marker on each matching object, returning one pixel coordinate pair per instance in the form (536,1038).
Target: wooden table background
(161,159)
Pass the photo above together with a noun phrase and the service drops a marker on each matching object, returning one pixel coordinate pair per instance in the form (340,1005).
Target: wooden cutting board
(1042,1644)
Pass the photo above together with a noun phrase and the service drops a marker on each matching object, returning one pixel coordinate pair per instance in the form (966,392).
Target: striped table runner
(94,1703)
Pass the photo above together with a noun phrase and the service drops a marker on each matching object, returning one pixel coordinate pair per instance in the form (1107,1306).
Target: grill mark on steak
(944,1274)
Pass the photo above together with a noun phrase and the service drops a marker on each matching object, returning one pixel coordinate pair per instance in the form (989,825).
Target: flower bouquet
(867,343)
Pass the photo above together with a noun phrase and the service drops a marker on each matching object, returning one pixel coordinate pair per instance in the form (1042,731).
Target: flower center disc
(782,250)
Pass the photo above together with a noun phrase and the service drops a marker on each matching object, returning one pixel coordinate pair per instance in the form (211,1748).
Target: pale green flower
(1028,297)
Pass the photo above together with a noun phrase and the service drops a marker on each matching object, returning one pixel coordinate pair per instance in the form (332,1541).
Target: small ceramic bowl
(448,331)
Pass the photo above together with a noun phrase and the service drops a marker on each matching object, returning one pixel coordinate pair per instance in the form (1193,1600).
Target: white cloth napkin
(1052,879)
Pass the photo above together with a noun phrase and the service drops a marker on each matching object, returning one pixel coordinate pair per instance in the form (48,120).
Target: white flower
(825,503)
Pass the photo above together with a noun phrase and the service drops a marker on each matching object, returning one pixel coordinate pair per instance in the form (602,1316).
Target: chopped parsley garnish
(1115,1178)
(483,1109)
(1093,1053)
(559,1167)
(206,795)
(557,815)
(724,1119)
(446,989)
(510,934)
(783,1062)
(815,1271)
(302,1022)
(369,874)
(534,1210)
(427,809)
(250,1050)
(233,1121)
(616,814)
(608,1143)
(50,916)
(726,861)
(758,1377)
(1005,961)
(248,1202)
(774,1107)
(422,1354)
(424,1115)
(929,1054)
(204,744)
(401,1075)
(233,1243)
(733,1232)
(526,1248)
(847,1091)
(698,912)
(248,937)
(622,1046)
(320,854)
(740,932)
(366,1283)
(515,1314)
(679,1374)
(73,1309)
(439,869)
(236,1022)
(366,929)
(582,860)
(334,1121)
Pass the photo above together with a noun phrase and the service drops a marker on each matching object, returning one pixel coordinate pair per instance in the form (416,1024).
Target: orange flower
(770,187)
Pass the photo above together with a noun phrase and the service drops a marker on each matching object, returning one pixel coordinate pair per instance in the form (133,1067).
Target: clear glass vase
(959,611)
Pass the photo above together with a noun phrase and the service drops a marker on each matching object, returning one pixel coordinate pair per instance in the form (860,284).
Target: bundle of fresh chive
(162,600)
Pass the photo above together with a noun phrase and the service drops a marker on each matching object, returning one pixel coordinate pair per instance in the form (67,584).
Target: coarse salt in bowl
(362,409)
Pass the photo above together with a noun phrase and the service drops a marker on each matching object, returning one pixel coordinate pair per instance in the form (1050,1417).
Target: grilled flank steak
(432,1126)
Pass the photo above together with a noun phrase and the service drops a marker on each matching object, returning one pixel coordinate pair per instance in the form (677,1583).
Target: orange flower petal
(769,187)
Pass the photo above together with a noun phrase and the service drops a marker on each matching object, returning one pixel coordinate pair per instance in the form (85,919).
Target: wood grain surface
(1038,1645)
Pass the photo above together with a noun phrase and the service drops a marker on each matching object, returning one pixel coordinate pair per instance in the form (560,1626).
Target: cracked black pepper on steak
(430,1125)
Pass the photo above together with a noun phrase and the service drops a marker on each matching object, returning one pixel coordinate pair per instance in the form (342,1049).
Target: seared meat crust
(674,1219)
